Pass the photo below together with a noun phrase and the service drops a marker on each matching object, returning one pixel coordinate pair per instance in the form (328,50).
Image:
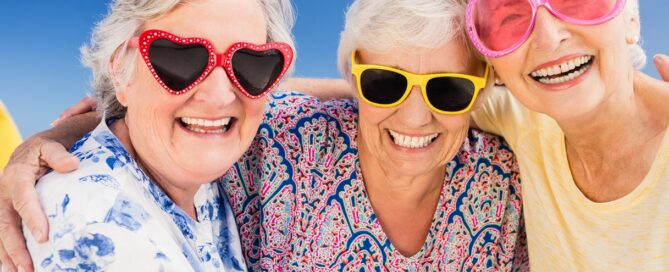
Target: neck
(631,114)
(182,197)
(383,182)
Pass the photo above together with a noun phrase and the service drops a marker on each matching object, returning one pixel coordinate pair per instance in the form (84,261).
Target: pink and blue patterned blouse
(301,205)
(109,216)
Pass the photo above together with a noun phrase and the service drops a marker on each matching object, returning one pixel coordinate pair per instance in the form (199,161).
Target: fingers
(19,195)
(84,105)
(662,65)
(6,263)
(13,251)
(55,156)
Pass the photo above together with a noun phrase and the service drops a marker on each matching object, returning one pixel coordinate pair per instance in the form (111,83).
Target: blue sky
(39,56)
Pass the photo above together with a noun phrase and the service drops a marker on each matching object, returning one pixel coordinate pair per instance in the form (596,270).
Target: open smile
(412,142)
(206,126)
(564,72)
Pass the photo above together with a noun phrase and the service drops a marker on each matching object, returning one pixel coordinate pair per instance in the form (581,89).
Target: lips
(563,72)
(413,142)
(207,126)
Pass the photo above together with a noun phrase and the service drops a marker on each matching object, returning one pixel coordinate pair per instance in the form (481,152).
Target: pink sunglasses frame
(143,43)
(536,4)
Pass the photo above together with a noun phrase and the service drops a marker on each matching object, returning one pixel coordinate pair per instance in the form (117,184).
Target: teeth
(205,123)
(206,126)
(565,78)
(562,67)
(412,142)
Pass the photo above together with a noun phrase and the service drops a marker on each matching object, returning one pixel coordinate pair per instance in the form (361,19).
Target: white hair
(381,26)
(125,19)
(637,55)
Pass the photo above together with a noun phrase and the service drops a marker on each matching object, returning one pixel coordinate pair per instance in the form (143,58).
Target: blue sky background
(41,75)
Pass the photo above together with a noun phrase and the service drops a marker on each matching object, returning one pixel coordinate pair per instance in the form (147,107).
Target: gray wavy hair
(124,21)
(380,26)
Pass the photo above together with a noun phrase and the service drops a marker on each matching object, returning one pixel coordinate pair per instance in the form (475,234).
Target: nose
(414,112)
(549,32)
(216,89)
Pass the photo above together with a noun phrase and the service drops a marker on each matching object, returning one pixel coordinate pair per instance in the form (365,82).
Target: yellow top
(566,231)
(9,136)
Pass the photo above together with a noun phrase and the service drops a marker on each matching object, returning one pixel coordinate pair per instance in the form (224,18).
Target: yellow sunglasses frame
(417,80)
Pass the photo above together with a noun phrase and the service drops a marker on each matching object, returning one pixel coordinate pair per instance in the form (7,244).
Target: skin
(610,105)
(152,130)
(403,184)
(18,199)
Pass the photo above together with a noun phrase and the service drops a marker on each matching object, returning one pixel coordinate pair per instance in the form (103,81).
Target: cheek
(454,123)
(373,115)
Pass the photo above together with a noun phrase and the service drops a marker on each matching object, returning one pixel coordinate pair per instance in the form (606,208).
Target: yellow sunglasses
(444,93)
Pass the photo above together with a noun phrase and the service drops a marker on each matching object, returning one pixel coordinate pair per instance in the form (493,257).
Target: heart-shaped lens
(256,71)
(178,65)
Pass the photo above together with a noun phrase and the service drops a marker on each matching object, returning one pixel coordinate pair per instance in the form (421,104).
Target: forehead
(451,57)
(223,22)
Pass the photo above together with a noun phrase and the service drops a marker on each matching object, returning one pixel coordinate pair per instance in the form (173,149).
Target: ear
(632,28)
(120,89)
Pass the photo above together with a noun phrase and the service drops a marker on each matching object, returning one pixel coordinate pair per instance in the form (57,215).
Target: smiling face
(569,71)
(410,139)
(193,138)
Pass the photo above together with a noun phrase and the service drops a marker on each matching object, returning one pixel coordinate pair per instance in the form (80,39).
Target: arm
(324,89)
(18,198)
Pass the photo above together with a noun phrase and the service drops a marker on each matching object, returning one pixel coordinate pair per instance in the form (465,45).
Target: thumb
(56,156)
(662,65)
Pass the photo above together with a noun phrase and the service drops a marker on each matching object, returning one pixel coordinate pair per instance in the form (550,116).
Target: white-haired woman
(379,184)
(589,129)
(142,197)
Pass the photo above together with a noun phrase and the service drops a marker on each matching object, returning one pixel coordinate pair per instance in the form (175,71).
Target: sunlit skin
(404,184)
(607,106)
(178,159)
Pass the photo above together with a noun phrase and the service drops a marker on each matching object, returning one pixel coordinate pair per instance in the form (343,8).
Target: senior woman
(142,197)
(590,130)
(394,180)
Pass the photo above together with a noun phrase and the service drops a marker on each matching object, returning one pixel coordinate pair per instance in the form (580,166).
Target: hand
(84,105)
(662,64)
(18,197)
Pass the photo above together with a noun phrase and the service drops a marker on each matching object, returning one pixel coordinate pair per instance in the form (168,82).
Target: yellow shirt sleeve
(499,113)
(9,136)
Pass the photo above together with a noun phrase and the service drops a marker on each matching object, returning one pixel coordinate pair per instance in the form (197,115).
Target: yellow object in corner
(9,136)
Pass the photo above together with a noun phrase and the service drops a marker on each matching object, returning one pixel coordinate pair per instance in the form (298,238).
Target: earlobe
(633,31)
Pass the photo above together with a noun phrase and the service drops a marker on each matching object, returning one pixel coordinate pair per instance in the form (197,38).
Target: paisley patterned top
(301,205)
(109,216)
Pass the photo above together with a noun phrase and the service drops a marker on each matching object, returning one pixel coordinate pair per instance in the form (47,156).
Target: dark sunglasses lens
(381,86)
(178,65)
(450,94)
(256,71)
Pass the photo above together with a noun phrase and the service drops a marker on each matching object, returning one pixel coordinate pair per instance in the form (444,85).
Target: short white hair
(124,20)
(381,26)
(636,53)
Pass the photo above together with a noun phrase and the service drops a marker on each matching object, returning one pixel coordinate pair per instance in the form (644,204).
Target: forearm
(72,129)
(325,89)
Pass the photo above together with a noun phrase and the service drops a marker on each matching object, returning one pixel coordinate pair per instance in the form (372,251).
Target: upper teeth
(562,67)
(206,123)
(412,142)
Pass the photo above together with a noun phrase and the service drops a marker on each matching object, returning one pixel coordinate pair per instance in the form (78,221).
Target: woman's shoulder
(92,192)
(484,147)
(289,108)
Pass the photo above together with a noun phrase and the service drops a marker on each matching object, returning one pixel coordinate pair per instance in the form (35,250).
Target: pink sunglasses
(498,27)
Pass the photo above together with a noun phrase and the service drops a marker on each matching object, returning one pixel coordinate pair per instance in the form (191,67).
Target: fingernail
(660,58)
(20,268)
(4,268)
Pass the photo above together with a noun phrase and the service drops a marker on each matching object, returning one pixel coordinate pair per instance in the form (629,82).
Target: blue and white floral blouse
(108,215)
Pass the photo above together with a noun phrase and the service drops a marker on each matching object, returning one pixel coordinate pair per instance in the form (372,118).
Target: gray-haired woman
(142,198)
